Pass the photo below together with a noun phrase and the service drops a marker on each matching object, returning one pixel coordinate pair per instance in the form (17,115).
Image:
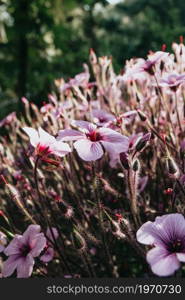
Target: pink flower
(46,144)
(101,117)
(167,235)
(91,140)
(8,119)
(3,241)
(80,79)
(22,250)
(49,251)
(172,81)
(149,64)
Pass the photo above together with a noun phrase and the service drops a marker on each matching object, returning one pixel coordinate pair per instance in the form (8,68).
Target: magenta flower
(22,250)
(3,241)
(49,251)
(91,140)
(172,81)
(46,144)
(167,235)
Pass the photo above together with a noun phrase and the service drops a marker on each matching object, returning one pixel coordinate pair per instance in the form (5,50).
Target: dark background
(47,39)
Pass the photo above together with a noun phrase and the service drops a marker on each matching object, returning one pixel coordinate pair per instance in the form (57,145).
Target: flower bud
(172,168)
(92,57)
(142,142)
(124,160)
(142,116)
(136,165)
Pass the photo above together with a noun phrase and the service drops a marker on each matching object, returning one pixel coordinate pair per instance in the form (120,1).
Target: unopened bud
(172,168)
(124,160)
(92,57)
(136,165)
(142,116)
(142,142)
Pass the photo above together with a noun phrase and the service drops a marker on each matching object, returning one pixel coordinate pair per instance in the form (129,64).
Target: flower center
(94,136)
(42,150)
(25,249)
(176,246)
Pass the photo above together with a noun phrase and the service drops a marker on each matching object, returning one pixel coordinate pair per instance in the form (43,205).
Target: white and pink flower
(46,144)
(91,141)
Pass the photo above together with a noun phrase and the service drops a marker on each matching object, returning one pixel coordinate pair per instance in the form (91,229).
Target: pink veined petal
(14,245)
(45,137)
(115,148)
(162,264)
(112,136)
(33,135)
(25,267)
(50,234)
(37,245)
(181,256)
(145,234)
(30,233)
(174,226)
(10,265)
(84,124)
(59,148)
(69,135)
(48,255)
(88,151)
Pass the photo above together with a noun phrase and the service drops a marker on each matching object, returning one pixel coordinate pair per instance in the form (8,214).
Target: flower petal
(48,255)
(112,136)
(84,124)
(69,135)
(30,233)
(162,263)
(25,267)
(145,234)
(88,151)
(181,256)
(33,135)
(14,245)
(37,244)
(10,265)
(45,137)
(174,226)
(60,149)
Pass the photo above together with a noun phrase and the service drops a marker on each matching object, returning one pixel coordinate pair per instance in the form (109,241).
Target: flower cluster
(97,171)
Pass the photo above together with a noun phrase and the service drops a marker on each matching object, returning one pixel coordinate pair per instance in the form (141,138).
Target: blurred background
(47,39)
